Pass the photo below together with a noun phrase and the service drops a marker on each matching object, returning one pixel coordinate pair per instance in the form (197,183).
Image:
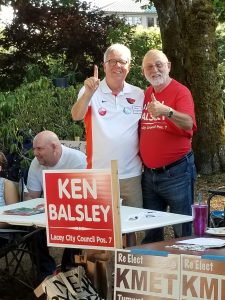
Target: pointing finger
(96,71)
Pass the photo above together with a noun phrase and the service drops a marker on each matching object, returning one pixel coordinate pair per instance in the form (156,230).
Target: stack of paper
(205,242)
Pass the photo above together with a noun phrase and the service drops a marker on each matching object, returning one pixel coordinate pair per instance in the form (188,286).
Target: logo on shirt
(127,110)
(130,100)
(137,109)
(102,111)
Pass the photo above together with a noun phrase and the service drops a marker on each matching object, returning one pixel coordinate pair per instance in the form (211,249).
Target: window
(132,20)
(157,22)
(136,20)
(151,21)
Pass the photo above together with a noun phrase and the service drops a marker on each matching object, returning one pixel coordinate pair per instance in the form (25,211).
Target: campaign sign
(79,208)
(146,277)
(202,277)
(142,274)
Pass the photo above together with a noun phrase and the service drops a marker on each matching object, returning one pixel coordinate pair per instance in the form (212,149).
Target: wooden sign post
(116,204)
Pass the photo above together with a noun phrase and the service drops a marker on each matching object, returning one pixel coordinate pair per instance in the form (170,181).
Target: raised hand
(92,83)
(96,71)
(156,108)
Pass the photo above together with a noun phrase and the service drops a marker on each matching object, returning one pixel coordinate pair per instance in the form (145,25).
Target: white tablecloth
(132,219)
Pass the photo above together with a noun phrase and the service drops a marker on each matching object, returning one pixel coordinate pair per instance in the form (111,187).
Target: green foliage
(34,107)
(52,67)
(57,66)
(123,34)
(220,36)
(33,72)
(219,7)
(144,40)
(43,29)
(65,38)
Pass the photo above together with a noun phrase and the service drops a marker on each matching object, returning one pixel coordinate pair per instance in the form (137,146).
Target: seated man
(50,155)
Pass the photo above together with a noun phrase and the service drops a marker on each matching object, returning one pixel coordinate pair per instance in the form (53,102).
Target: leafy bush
(52,67)
(52,28)
(34,107)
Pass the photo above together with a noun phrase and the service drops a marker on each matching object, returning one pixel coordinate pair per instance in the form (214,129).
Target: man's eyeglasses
(113,62)
(158,65)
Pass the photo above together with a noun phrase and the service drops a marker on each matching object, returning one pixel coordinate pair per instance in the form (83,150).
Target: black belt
(177,162)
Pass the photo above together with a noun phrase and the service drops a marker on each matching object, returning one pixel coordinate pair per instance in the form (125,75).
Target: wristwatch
(170,113)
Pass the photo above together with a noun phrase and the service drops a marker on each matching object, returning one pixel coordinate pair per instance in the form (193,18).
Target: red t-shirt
(161,141)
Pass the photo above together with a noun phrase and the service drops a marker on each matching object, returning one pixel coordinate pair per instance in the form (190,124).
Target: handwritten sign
(78,145)
(79,207)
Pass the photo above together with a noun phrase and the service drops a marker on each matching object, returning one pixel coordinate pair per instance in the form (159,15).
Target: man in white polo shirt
(111,110)
(50,154)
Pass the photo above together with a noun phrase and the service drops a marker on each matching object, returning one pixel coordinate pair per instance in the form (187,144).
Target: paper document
(206,242)
(26,211)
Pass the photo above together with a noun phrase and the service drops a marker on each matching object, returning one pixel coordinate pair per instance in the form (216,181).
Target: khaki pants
(131,191)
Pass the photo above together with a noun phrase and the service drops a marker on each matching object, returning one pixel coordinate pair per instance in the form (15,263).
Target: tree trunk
(188,37)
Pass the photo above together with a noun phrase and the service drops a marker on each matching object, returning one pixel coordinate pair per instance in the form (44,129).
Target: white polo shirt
(112,129)
(70,159)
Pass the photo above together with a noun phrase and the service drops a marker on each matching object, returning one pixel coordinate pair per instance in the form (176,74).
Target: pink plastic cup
(200,215)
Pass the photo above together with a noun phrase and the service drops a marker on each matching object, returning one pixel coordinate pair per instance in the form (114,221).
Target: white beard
(157,81)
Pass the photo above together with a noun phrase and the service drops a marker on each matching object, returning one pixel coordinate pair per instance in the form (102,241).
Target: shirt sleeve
(34,180)
(83,161)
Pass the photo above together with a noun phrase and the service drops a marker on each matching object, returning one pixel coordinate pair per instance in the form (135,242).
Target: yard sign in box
(79,207)
(146,275)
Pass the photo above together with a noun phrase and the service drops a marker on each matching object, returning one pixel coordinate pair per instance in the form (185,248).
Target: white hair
(155,52)
(120,48)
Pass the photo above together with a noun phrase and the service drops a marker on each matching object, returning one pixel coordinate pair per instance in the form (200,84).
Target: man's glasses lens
(158,65)
(113,62)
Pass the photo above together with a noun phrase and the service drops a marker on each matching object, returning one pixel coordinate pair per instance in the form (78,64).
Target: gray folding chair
(216,218)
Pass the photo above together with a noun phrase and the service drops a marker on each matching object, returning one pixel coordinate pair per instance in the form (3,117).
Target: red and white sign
(79,208)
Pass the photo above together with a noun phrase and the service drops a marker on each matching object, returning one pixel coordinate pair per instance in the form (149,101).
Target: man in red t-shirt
(166,130)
